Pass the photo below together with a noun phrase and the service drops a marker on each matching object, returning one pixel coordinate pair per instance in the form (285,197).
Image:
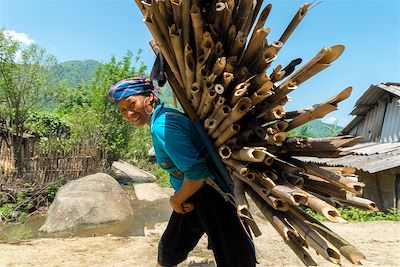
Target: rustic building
(377,114)
(377,160)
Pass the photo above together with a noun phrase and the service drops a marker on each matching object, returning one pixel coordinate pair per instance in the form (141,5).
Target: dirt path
(379,241)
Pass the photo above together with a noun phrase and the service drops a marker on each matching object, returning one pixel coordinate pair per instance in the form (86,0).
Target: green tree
(23,83)
(109,130)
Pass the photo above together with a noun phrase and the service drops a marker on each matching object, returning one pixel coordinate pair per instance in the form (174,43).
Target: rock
(127,174)
(93,199)
(152,192)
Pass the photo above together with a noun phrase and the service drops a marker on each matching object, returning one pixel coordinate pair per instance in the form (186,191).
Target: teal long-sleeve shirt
(177,146)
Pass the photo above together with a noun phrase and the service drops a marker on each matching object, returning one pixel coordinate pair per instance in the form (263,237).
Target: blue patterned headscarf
(129,87)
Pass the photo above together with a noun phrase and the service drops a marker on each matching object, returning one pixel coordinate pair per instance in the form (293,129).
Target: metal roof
(370,157)
(372,95)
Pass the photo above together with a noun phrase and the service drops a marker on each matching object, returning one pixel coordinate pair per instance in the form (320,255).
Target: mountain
(75,72)
(317,129)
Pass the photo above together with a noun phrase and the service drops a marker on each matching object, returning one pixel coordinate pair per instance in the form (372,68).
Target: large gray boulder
(93,199)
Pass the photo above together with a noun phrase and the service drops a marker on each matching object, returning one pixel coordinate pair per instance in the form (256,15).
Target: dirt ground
(379,241)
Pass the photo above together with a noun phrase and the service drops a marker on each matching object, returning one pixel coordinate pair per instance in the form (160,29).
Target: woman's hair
(132,86)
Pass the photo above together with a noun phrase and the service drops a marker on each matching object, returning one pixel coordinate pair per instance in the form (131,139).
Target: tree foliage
(23,83)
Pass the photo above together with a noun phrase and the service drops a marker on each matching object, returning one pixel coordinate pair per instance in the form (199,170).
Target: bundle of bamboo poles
(220,71)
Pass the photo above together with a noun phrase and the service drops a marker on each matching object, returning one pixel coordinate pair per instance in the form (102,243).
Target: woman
(197,207)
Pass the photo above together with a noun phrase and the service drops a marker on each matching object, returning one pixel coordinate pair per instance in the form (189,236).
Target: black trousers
(215,217)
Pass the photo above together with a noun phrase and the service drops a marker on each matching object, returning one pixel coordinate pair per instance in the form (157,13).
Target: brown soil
(379,241)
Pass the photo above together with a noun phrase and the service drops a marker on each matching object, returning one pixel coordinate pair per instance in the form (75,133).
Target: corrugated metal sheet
(369,157)
(391,124)
(377,120)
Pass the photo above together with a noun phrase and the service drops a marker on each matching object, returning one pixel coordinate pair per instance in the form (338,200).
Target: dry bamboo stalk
(252,154)
(219,66)
(261,20)
(337,180)
(196,94)
(163,11)
(276,113)
(262,93)
(277,203)
(221,114)
(238,43)
(197,25)
(255,44)
(314,240)
(269,158)
(225,151)
(242,207)
(230,39)
(278,126)
(207,86)
(255,8)
(218,104)
(208,104)
(163,45)
(231,64)
(226,79)
(207,44)
(321,61)
(241,169)
(218,17)
(277,74)
(261,191)
(359,202)
(282,90)
(237,112)
(323,208)
(289,235)
(175,35)
(227,17)
(239,91)
(320,110)
(177,9)
(341,170)
(324,188)
(140,6)
(219,89)
(242,13)
(186,22)
(190,68)
(346,249)
(269,55)
(298,17)
(209,123)
(295,180)
(227,134)
(261,78)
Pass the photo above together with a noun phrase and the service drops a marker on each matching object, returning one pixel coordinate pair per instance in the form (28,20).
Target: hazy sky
(98,29)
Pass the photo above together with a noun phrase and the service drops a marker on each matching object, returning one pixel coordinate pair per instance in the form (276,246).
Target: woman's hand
(179,207)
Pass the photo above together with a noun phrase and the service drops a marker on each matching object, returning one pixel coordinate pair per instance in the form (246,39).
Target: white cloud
(330,120)
(19,37)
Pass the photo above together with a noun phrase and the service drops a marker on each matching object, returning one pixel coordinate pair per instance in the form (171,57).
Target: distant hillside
(75,72)
(317,129)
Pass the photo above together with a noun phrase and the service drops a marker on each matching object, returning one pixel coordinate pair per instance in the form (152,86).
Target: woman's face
(133,109)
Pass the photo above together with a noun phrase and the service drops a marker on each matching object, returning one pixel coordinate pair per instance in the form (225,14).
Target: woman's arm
(188,188)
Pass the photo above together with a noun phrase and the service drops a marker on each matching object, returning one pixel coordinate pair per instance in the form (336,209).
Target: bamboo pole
(225,151)
(320,110)
(221,114)
(337,180)
(346,249)
(196,94)
(358,202)
(261,20)
(175,35)
(177,10)
(277,74)
(197,25)
(298,17)
(190,68)
(239,91)
(227,134)
(208,104)
(186,28)
(218,104)
(256,42)
(251,154)
(289,235)
(237,112)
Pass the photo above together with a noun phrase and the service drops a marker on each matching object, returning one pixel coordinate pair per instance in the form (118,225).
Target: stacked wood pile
(220,72)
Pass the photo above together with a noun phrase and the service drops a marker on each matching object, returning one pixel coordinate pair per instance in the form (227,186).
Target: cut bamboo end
(220,115)
(219,88)
(225,152)
(227,134)
(249,154)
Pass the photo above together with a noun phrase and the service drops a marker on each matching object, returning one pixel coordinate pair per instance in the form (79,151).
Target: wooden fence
(44,167)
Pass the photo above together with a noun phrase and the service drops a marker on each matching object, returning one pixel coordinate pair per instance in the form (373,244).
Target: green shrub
(355,215)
